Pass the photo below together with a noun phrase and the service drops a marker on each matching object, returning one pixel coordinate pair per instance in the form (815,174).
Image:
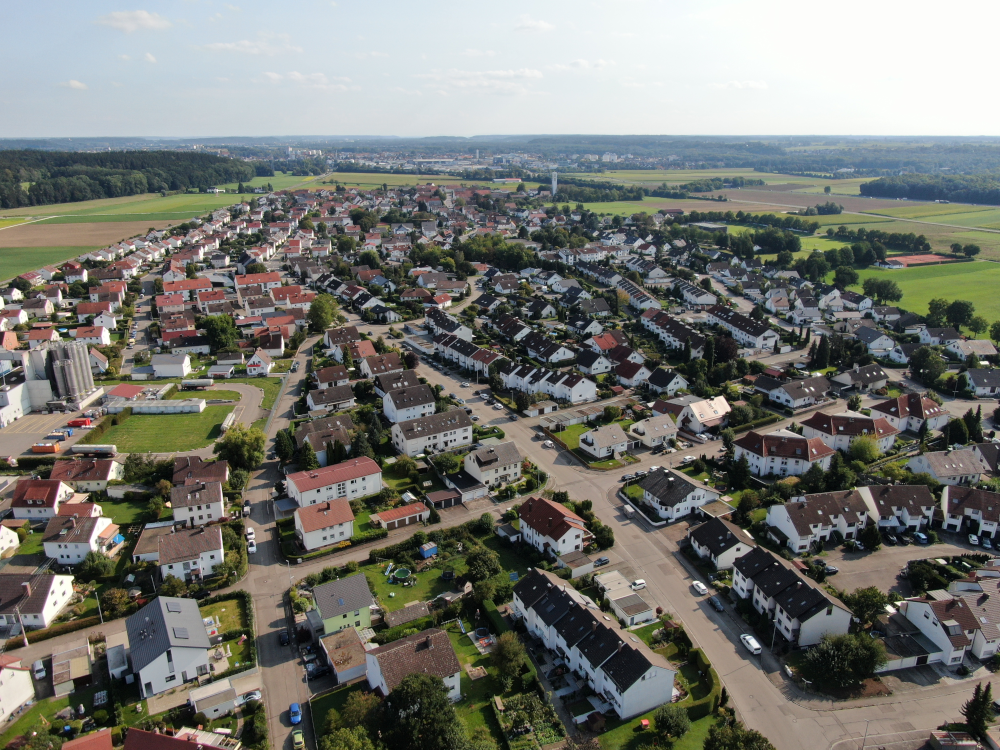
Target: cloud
(318,81)
(267,45)
(479,53)
(527,23)
(148,57)
(505,82)
(234,8)
(134,20)
(739,85)
(372,53)
(73,84)
(124,57)
(583,65)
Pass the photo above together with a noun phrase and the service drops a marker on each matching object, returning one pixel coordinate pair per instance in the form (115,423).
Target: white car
(253,695)
(497,407)
(549,444)
(638,584)
(465,385)
(751,643)
(251,547)
(687,460)
(973,539)
(653,468)
(251,534)
(700,588)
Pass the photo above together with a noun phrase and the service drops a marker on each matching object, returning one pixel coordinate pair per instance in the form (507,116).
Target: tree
(242,447)
(870,537)
(173,586)
(978,710)
(959,313)
(507,657)
(845,276)
(283,445)
(40,738)
(419,714)
(726,349)
(522,401)
(344,738)
(937,309)
(956,433)
(221,332)
(604,535)
(483,563)
(321,313)
(728,438)
(671,720)
(867,604)
(978,324)
(970,250)
(709,355)
(854,402)
(864,448)
(307,460)
(256,268)
(995,331)
(361,446)
(927,365)
(611,413)
(411,360)
(844,660)
(360,710)
(96,565)
(739,474)
(115,603)
(735,736)
(822,359)
(485,524)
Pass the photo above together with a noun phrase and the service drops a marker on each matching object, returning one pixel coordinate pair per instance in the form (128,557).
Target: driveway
(881,568)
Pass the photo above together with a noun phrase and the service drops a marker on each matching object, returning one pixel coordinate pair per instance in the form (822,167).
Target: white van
(39,669)
(638,584)
(751,643)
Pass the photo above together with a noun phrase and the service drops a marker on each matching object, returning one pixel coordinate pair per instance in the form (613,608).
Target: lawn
(126,512)
(230,614)
(48,709)
(270,386)
(474,709)
(165,433)
(18,260)
(278,181)
(335,699)
(220,395)
(968,281)
(627,736)
(571,435)
(32,544)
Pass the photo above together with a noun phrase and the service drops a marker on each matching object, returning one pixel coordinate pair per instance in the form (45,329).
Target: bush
(101,716)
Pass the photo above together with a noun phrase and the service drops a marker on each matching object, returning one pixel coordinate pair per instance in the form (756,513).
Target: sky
(203,68)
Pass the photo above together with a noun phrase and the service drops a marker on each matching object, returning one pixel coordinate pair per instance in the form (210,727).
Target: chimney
(621,645)
(430,642)
(328,506)
(593,626)
(27,588)
(72,522)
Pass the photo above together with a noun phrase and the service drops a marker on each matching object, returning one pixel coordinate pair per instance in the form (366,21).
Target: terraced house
(433,433)
(782,453)
(747,331)
(803,521)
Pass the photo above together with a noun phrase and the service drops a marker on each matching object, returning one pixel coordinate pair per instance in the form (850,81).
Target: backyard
(164,433)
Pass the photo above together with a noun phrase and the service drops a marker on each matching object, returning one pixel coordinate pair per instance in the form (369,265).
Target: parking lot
(17,438)
(881,568)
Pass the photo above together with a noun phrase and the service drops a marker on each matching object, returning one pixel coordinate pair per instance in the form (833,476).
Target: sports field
(974,282)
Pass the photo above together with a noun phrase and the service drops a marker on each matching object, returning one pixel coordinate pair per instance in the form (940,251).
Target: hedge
(34,636)
(35,462)
(710,703)
(243,597)
(494,616)
(770,419)
(400,631)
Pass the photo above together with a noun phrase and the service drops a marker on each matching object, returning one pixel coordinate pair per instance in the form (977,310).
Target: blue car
(295,713)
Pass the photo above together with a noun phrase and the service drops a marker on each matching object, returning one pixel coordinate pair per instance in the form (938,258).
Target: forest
(35,178)
(981,188)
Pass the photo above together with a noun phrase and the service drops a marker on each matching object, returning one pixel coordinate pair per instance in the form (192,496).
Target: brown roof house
(427,652)
(190,554)
(193,470)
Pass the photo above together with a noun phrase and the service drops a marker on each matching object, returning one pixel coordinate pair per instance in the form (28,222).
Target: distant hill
(35,178)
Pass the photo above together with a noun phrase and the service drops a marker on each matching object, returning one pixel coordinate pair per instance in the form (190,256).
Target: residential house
(672,495)
(939,336)
(17,690)
(260,363)
(327,377)
(435,432)
(427,652)
(87,474)
(324,524)
(696,415)
(958,467)
(168,644)
(806,520)
(978,348)
(190,554)
(838,431)
(720,542)
(797,394)
(592,363)
(631,375)
(68,539)
(654,431)
(171,365)
(604,442)
(381,364)
(947,622)
(551,527)
(195,470)
(662,381)
(37,499)
(984,383)
(402,404)
(902,506)
(494,465)
(863,379)
(331,399)
(911,411)
(350,479)
(198,503)
(344,603)
(782,453)
(747,331)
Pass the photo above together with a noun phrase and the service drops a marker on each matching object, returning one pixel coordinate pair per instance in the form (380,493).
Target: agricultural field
(166,433)
(968,281)
(932,211)
(377,179)
(279,181)
(4,223)
(18,260)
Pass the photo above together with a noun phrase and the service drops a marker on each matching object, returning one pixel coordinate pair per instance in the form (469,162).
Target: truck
(628,510)
(79,422)
(94,450)
(189,385)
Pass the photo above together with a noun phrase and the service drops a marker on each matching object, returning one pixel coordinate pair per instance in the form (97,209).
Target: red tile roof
(324,515)
(403,511)
(353,468)
(39,491)
(549,518)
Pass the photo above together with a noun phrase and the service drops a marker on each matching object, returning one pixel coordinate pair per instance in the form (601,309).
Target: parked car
(251,533)
(700,588)
(497,407)
(549,444)
(317,671)
(751,643)
(638,584)
(253,695)
(464,385)
(640,474)
(251,547)
(973,539)
(283,637)
(831,570)
(601,562)
(512,417)
(921,537)
(986,543)
(627,478)
(687,460)
(653,468)
(716,603)
(298,740)
(475,418)
(889,539)
(903,539)
(295,713)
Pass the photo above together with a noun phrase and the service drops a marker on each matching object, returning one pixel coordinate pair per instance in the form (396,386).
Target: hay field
(37,234)
(968,281)
(280,181)
(18,260)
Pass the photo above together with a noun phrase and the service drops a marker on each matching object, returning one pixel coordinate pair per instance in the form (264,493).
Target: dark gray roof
(866,375)
(668,487)
(801,601)
(346,595)
(984,378)
(407,614)
(774,580)
(166,622)
(578,623)
(391,381)
(553,606)
(661,378)
(417,395)
(533,587)
(599,646)
(718,536)
(432,424)
(626,667)
(754,561)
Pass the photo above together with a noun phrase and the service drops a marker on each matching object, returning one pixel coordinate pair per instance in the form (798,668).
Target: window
(170,678)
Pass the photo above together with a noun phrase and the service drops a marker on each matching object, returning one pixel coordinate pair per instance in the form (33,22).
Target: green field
(166,433)
(932,210)
(967,281)
(17,260)
(10,222)
(141,206)
(279,181)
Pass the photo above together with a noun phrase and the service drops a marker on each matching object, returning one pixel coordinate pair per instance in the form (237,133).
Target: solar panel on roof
(340,601)
(173,607)
(181,633)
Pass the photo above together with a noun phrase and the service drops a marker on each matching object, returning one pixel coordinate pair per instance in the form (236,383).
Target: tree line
(897,240)
(34,178)
(964,188)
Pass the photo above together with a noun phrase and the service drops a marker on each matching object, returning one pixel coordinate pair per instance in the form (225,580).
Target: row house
(673,333)
(638,298)
(951,467)
(809,519)
(747,331)
(433,433)
(438,321)
(911,411)
(969,509)
(693,294)
(466,354)
(544,349)
(838,431)
(624,672)
(561,386)
(802,612)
